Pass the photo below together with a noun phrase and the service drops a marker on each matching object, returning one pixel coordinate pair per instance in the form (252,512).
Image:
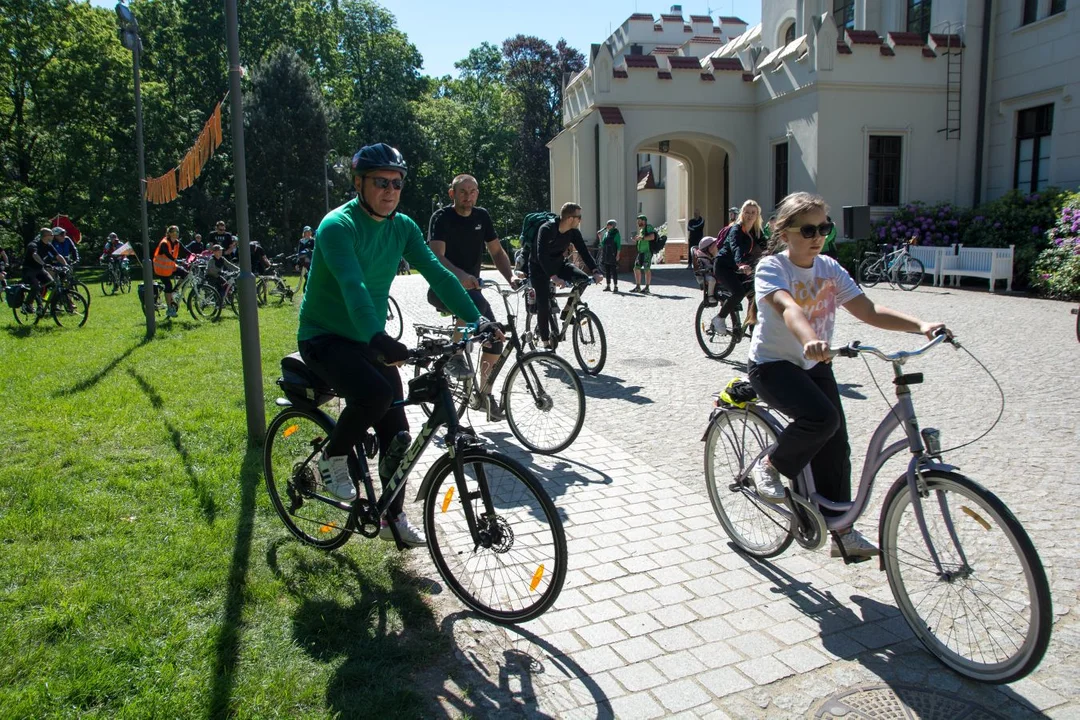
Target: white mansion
(867,102)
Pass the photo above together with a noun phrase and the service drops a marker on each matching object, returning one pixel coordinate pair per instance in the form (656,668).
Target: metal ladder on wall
(954,76)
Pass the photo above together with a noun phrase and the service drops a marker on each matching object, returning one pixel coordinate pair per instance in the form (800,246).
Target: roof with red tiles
(641,16)
(671,17)
(706,39)
(611,115)
(664,50)
(708,77)
(731,20)
(907,39)
(680,62)
(641,61)
(947,40)
(726,64)
(863,37)
(701,18)
(842,48)
(663,75)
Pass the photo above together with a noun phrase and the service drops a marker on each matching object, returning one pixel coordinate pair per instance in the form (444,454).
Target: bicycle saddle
(301,385)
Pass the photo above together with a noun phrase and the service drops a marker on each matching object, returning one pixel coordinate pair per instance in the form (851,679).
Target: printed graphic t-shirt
(818,290)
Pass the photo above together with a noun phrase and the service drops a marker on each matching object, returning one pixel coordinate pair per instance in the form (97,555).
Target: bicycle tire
(260,292)
(757,528)
(590,342)
(517,569)
(908,273)
(283,292)
(717,343)
(290,439)
(540,386)
(204,303)
(110,284)
(902,545)
(529,340)
(69,309)
(82,288)
(870,271)
(24,318)
(395,326)
(125,283)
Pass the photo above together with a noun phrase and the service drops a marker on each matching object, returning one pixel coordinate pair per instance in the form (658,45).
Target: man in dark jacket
(549,261)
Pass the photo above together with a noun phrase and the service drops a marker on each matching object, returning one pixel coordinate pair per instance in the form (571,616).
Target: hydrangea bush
(934,225)
(1019,219)
(1057,269)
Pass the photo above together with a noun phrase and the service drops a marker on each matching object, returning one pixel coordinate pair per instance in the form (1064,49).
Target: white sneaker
(770,487)
(334,474)
(855,544)
(458,367)
(719,326)
(411,535)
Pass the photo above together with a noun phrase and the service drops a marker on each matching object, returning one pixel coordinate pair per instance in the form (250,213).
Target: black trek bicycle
(493,533)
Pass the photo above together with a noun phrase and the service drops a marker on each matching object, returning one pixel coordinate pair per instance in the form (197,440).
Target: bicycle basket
(15,295)
(738,393)
(300,384)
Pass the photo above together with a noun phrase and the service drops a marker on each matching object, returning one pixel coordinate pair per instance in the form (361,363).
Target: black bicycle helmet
(379,156)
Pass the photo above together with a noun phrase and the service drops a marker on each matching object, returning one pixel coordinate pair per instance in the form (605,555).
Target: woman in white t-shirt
(797,292)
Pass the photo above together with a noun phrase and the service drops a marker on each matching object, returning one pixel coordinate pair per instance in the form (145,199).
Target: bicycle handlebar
(430,348)
(853,349)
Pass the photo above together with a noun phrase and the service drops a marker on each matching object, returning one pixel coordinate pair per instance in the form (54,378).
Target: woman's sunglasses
(383,183)
(809,231)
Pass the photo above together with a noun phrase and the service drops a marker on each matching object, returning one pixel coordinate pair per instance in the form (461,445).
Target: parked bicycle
(117,278)
(493,533)
(67,307)
(898,267)
(272,285)
(964,574)
(543,398)
(587,333)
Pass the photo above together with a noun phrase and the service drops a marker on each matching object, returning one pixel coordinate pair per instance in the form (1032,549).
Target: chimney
(676,9)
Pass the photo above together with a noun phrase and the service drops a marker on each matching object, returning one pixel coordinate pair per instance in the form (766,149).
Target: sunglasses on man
(383,183)
(809,231)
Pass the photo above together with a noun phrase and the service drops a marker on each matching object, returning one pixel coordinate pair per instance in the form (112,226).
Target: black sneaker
(494,411)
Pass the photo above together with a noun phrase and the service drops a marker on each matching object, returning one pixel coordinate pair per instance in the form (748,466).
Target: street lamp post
(129,38)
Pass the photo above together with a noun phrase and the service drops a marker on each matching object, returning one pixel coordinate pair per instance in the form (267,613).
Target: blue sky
(444,32)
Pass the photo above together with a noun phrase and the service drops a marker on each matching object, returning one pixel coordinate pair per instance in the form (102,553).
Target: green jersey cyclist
(341,338)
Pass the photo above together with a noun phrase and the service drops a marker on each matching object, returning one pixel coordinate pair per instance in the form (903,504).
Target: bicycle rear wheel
(204,303)
(715,334)
(290,463)
(110,283)
(125,282)
(734,440)
(513,568)
(395,326)
(909,273)
(260,292)
(69,309)
(870,271)
(544,402)
(989,617)
(590,342)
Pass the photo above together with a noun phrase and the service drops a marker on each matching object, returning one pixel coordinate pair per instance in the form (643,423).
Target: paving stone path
(661,618)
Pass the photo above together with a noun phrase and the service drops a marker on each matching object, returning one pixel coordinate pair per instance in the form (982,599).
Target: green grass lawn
(143,571)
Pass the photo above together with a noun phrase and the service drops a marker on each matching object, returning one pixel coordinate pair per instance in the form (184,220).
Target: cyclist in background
(39,254)
(166,254)
(341,334)
(548,261)
(65,246)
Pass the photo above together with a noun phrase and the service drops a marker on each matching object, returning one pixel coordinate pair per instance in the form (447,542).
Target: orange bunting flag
(166,188)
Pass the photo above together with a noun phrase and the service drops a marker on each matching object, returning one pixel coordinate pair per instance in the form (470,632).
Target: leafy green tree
(287,139)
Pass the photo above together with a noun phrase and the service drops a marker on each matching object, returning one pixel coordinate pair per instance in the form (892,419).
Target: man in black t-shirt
(39,254)
(548,261)
(457,235)
(222,237)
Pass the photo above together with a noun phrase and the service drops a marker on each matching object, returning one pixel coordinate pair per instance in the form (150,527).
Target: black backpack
(658,244)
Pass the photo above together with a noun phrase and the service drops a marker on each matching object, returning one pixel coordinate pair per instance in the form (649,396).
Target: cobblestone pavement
(660,617)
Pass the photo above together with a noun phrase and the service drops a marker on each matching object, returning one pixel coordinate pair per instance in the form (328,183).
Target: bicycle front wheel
(394,324)
(870,271)
(125,283)
(260,292)
(512,568)
(734,441)
(204,303)
(82,288)
(909,272)
(544,402)
(715,334)
(69,309)
(987,614)
(460,390)
(110,284)
(291,464)
(590,342)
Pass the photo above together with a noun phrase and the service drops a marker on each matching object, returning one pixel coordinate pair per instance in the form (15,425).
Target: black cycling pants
(167,280)
(542,286)
(368,387)
(817,434)
(36,280)
(735,283)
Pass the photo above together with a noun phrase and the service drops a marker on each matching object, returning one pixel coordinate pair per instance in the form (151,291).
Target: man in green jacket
(341,337)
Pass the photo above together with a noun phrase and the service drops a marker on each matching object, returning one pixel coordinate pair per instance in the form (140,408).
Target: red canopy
(65,222)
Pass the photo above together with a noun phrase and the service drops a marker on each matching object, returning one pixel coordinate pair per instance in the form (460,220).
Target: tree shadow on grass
(379,637)
(227,645)
(97,377)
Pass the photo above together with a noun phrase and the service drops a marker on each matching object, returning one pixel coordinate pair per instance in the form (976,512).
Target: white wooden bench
(992,264)
(930,257)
